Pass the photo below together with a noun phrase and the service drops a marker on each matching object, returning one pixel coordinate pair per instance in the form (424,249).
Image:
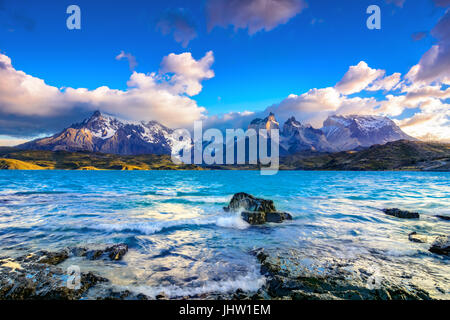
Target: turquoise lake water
(182,242)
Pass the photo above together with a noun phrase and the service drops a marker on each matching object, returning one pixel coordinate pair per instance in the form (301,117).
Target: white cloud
(132,63)
(188,72)
(434,66)
(254,15)
(432,123)
(358,78)
(386,83)
(163,97)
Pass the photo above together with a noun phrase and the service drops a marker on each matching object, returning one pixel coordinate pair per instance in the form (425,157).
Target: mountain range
(107,134)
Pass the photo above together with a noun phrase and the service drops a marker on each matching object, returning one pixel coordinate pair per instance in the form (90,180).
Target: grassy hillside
(12,164)
(89,161)
(398,155)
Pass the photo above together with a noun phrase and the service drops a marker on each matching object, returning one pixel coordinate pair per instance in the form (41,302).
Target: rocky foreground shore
(38,275)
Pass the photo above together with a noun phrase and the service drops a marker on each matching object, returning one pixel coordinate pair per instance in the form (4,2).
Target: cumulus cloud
(434,66)
(179,24)
(132,63)
(254,15)
(163,96)
(188,73)
(432,123)
(316,105)
(358,78)
(386,83)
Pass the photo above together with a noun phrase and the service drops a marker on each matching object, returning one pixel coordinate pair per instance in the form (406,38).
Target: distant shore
(400,155)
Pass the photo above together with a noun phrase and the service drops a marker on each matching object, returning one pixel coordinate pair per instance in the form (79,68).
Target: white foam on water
(209,199)
(167,193)
(235,222)
(149,228)
(152,227)
(249,283)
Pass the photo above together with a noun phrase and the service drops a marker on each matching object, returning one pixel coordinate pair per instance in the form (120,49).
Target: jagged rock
(54,258)
(256,210)
(116,252)
(46,257)
(254,217)
(441,245)
(249,203)
(29,280)
(277,216)
(284,281)
(401,213)
(415,237)
(447,218)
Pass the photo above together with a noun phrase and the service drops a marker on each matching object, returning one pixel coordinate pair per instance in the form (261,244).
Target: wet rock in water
(447,218)
(441,245)
(401,213)
(254,218)
(114,253)
(277,217)
(249,203)
(258,217)
(27,279)
(46,257)
(256,210)
(415,237)
(111,294)
(286,281)
(54,258)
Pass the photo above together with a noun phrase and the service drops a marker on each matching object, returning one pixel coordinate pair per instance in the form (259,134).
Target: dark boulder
(114,253)
(117,251)
(441,245)
(256,210)
(447,218)
(415,237)
(28,279)
(277,217)
(403,214)
(248,202)
(254,217)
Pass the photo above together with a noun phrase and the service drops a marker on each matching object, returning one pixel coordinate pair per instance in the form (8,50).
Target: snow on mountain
(353,131)
(297,137)
(108,134)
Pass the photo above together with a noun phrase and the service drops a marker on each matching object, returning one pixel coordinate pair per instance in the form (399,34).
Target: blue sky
(313,49)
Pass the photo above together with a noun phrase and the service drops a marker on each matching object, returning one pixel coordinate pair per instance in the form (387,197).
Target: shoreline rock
(114,253)
(403,214)
(415,237)
(441,245)
(256,210)
(284,281)
(29,279)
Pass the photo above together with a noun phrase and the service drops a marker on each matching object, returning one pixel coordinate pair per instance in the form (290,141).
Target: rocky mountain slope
(107,134)
(350,132)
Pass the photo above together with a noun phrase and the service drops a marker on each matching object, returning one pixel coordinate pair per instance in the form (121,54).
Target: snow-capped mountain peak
(108,134)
